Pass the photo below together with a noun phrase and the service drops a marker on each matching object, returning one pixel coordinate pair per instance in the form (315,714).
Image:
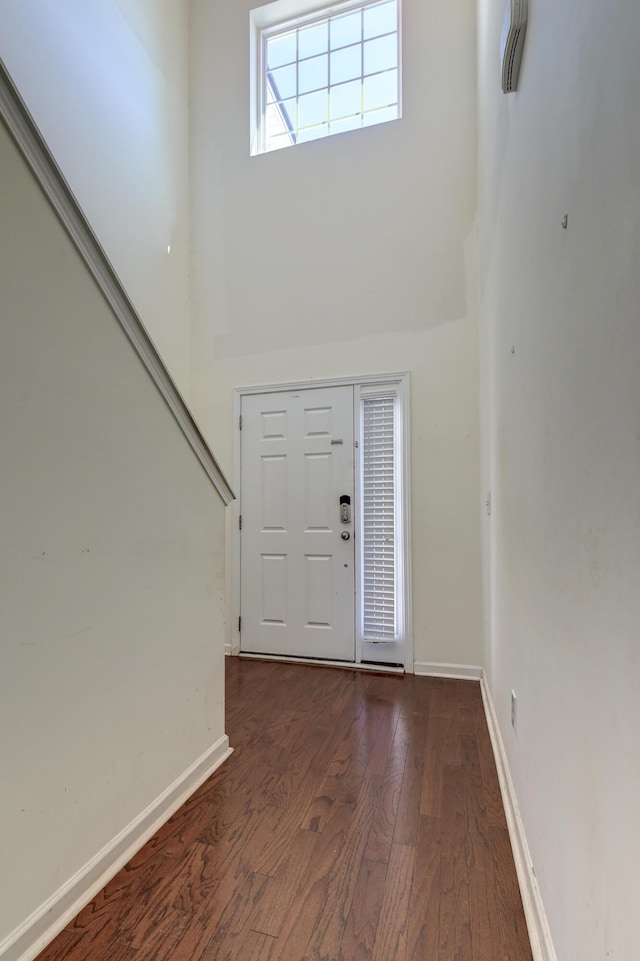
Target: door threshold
(320,662)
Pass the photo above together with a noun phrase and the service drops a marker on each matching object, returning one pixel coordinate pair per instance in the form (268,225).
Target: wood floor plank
(454,922)
(443,700)
(233,923)
(311,898)
(434,764)
(107,919)
(358,937)
(275,851)
(252,946)
(191,944)
(300,753)
(386,812)
(340,880)
(382,718)
(199,877)
(491,785)
(359,819)
(98,943)
(63,947)
(452,753)
(333,790)
(283,891)
(174,838)
(423,936)
(392,929)
(103,952)
(408,814)
(417,701)
(163,937)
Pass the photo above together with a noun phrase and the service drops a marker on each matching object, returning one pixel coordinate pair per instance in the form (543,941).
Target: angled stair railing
(26,135)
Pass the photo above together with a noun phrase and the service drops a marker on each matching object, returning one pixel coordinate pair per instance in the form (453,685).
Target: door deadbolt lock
(345,509)
(345,535)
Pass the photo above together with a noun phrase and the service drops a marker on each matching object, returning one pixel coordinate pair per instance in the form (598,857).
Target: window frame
(279,18)
(368,649)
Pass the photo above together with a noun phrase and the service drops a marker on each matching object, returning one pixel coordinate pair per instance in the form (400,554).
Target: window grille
(329,73)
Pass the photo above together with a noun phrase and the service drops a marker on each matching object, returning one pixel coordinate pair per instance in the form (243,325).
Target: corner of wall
(539,933)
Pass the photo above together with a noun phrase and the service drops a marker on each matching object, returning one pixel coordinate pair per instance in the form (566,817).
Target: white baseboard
(41,927)
(460,672)
(535,914)
(227,650)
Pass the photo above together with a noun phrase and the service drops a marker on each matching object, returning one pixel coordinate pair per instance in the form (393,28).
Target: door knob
(345,535)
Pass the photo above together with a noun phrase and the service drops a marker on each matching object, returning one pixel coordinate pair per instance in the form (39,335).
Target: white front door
(297,554)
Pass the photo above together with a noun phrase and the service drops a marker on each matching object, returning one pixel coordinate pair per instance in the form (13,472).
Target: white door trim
(401,380)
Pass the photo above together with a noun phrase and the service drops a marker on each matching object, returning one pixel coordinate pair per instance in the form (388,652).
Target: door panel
(297,573)
(274,493)
(274,589)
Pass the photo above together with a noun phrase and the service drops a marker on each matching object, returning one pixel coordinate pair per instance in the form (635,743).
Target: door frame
(401,382)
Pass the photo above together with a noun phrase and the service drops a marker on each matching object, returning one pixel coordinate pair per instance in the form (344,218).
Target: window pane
(313,133)
(381,54)
(345,99)
(283,82)
(381,90)
(312,74)
(380,19)
(280,117)
(281,50)
(312,108)
(380,116)
(313,40)
(346,30)
(277,143)
(346,64)
(273,121)
(349,123)
(288,110)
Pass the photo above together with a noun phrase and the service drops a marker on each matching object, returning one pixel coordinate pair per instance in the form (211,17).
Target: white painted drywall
(107,84)
(111,568)
(561,311)
(352,255)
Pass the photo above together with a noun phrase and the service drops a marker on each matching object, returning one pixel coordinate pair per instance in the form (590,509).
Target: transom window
(327,73)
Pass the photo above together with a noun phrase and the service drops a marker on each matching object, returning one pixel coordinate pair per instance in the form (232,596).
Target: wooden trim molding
(41,927)
(460,672)
(29,140)
(539,933)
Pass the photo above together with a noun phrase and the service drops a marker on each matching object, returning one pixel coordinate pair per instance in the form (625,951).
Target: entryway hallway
(359,818)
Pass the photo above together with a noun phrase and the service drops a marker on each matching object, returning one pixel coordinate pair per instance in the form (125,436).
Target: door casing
(402,382)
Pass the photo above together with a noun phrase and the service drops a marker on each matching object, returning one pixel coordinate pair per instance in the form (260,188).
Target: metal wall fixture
(514,28)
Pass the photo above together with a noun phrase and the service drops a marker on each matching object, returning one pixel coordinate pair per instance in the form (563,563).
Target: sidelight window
(381,516)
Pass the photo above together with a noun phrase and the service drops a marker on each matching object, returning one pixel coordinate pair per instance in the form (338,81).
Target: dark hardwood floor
(359,819)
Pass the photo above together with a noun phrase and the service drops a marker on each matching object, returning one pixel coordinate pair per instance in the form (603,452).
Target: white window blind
(379,489)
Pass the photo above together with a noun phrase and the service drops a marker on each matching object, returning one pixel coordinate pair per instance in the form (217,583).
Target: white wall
(111,574)
(107,83)
(561,309)
(354,254)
